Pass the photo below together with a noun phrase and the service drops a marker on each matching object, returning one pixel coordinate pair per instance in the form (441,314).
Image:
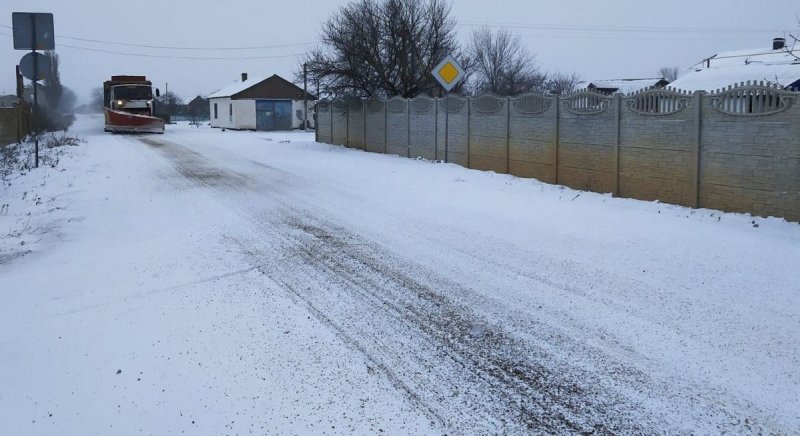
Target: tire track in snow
(467,373)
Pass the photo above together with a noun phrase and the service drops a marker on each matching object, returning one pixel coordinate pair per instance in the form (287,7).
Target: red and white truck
(129,105)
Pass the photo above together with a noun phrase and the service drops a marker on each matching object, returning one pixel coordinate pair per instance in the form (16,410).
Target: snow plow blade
(126,122)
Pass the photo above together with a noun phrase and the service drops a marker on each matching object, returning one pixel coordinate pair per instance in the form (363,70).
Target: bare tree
(96,98)
(167,104)
(57,104)
(670,74)
(382,47)
(502,64)
(561,83)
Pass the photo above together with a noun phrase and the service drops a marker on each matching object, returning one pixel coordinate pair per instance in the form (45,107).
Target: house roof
(274,86)
(733,67)
(8,100)
(198,101)
(627,86)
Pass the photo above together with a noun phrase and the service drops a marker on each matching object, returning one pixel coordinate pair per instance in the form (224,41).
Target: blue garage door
(273,115)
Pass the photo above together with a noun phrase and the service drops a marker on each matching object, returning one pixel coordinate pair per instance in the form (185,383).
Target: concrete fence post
(617,101)
(408,125)
(436,129)
(364,115)
(697,103)
(508,135)
(386,127)
(469,131)
(557,121)
(347,124)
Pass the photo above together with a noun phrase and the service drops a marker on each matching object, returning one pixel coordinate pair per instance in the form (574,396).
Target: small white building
(261,103)
(777,65)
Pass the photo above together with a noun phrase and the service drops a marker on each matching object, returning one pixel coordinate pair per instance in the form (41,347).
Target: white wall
(244,113)
(297,122)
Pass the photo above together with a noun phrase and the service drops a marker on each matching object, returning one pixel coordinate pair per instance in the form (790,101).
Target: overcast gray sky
(595,39)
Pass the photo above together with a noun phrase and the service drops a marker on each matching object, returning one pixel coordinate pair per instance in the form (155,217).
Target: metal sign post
(448,73)
(33,31)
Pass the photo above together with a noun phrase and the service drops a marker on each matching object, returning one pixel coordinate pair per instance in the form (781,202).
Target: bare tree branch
(502,64)
(382,47)
(670,74)
(562,83)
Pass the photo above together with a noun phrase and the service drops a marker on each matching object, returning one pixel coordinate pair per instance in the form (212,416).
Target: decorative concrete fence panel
(658,147)
(453,130)
(324,123)
(750,154)
(339,121)
(397,126)
(532,137)
(422,137)
(356,124)
(376,126)
(587,136)
(488,133)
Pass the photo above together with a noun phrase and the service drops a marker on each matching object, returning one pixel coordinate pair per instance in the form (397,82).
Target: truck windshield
(132,92)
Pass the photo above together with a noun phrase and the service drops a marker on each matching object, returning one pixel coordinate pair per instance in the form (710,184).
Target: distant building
(624,86)
(777,65)
(8,101)
(198,109)
(263,103)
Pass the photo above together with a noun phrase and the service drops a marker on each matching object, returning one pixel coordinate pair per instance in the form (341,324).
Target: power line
(167,47)
(612,29)
(157,56)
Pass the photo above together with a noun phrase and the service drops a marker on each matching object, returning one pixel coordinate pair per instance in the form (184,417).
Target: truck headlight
(119,102)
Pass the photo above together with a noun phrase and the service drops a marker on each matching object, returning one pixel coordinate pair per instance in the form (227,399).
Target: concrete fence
(735,149)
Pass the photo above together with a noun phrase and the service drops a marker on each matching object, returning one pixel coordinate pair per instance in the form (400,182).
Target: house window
(230,112)
(216,113)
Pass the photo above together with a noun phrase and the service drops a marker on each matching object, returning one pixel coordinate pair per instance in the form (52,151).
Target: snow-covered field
(209,282)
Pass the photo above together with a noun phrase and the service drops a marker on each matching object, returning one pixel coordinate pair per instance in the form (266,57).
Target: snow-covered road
(214,282)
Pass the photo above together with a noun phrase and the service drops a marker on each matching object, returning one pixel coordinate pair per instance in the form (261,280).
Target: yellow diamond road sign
(448,73)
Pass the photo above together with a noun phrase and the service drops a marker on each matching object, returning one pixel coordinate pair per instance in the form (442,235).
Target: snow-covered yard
(210,282)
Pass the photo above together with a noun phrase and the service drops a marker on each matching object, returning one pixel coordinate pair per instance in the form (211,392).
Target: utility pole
(305,97)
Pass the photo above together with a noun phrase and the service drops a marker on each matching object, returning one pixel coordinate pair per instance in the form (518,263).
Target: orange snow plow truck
(129,105)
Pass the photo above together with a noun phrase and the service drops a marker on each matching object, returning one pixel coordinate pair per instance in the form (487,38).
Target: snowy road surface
(209,282)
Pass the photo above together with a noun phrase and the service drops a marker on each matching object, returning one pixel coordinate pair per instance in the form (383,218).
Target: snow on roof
(780,67)
(711,79)
(751,56)
(625,86)
(237,87)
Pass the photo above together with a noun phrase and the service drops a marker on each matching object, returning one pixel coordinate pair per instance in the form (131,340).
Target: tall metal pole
(446,123)
(305,97)
(35,94)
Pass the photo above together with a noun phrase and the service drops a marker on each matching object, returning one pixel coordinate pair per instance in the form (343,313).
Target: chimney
(244,77)
(778,43)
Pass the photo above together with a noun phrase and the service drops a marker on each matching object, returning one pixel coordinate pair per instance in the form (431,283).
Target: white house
(778,65)
(261,103)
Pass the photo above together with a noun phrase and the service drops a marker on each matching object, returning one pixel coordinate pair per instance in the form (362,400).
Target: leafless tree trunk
(382,47)
(502,64)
